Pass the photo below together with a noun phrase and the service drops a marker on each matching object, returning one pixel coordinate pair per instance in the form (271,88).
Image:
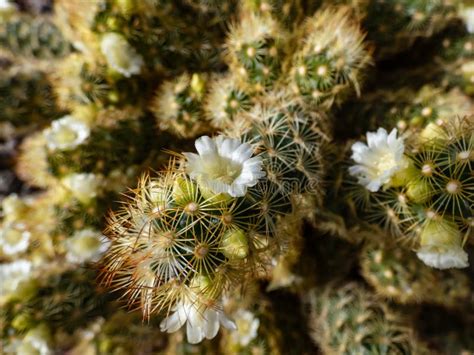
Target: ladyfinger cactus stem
(255,47)
(289,13)
(423,194)
(225,100)
(395,25)
(329,57)
(350,320)
(178,105)
(33,37)
(26,99)
(395,273)
(188,235)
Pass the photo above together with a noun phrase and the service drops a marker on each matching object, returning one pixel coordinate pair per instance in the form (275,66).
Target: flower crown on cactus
(421,187)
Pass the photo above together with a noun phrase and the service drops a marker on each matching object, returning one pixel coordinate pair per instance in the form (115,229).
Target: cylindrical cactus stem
(397,274)
(395,26)
(422,191)
(33,37)
(26,100)
(225,100)
(329,57)
(349,320)
(178,105)
(209,221)
(255,48)
(289,13)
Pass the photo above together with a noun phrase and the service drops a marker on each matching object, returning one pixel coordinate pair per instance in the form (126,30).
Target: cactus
(225,100)
(123,333)
(68,301)
(33,37)
(350,320)
(395,26)
(259,239)
(428,201)
(255,48)
(207,235)
(329,58)
(178,105)
(26,99)
(397,274)
(289,13)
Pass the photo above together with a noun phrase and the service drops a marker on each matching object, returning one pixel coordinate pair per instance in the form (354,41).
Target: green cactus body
(26,100)
(255,47)
(67,301)
(178,105)
(33,37)
(397,274)
(395,25)
(350,320)
(329,57)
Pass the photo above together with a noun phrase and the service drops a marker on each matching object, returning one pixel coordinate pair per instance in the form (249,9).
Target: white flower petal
(205,145)
(455,257)
(172,323)
(201,321)
(242,153)
(120,55)
(379,160)
(212,323)
(12,274)
(467,13)
(227,322)
(228,147)
(224,165)
(86,245)
(194,333)
(84,186)
(66,133)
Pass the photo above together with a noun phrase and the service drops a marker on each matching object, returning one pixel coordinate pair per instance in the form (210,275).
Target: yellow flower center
(222,169)
(65,135)
(13,237)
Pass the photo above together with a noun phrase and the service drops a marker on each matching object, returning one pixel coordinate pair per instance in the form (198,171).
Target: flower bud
(441,245)
(419,191)
(184,191)
(234,244)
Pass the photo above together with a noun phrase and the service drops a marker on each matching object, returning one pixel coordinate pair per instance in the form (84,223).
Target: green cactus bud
(234,244)
(419,191)
(404,176)
(184,191)
(432,134)
(23,321)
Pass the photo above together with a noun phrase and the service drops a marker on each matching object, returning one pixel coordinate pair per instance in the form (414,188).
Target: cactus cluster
(236,177)
(421,193)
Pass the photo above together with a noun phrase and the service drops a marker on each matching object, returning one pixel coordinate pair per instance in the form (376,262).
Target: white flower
(379,160)
(224,165)
(14,238)
(120,55)
(13,207)
(467,15)
(454,257)
(83,186)
(35,342)
(202,321)
(468,68)
(12,274)
(6,6)
(86,245)
(66,133)
(247,327)
(441,244)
